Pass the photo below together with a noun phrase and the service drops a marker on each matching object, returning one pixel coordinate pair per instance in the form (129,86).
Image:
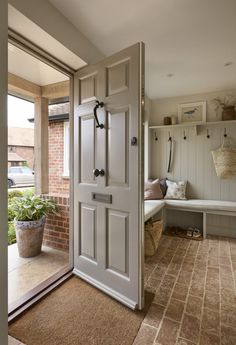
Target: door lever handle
(98,172)
(98,105)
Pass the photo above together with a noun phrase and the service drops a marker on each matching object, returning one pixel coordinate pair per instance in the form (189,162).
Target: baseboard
(220,231)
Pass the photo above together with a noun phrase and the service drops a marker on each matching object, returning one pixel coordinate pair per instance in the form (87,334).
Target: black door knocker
(98,105)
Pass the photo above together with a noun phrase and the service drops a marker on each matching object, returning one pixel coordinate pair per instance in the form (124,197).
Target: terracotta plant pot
(29,237)
(228,113)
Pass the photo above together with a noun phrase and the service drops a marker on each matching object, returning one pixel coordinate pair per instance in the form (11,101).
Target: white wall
(47,17)
(169,106)
(192,157)
(3,173)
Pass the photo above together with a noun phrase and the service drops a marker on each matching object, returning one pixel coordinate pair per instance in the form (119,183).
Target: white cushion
(176,190)
(204,205)
(151,207)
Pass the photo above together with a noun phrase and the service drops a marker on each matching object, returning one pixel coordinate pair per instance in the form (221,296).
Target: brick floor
(195,293)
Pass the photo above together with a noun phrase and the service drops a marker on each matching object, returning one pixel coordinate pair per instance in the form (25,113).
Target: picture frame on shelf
(192,112)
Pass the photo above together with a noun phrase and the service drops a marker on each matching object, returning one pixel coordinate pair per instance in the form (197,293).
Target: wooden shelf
(217,123)
(194,124)
(178,125)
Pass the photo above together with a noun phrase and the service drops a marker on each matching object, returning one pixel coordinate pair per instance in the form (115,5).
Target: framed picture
(192,112)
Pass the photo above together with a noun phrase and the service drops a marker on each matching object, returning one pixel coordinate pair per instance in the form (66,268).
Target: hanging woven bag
(225,161)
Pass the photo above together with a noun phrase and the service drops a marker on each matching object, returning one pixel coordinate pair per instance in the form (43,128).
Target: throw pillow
(163,186)
(153,190)
(176,190)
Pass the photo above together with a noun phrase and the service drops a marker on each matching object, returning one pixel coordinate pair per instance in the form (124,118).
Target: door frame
(43,288)
(3,173)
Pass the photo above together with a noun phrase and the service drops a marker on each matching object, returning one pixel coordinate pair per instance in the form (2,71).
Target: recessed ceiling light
(229,63)
(169,75)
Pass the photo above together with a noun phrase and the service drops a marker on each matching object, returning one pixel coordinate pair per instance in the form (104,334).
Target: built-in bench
(225,208)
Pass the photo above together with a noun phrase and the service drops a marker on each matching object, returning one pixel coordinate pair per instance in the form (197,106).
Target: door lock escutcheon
(98,172)
(134,141)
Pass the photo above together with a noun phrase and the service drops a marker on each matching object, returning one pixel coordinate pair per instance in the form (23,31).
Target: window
(14,170)
(26,170)
(66,149)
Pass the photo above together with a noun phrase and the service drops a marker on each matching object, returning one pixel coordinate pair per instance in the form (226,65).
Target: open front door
(108,175)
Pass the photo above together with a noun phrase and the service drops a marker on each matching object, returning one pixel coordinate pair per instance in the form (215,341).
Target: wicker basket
(153,231)
(225,161)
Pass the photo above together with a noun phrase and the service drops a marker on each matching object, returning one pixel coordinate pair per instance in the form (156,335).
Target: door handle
(98,105)
(98,172)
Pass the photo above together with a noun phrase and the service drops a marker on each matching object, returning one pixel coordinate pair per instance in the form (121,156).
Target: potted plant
(227,104)
(30,213)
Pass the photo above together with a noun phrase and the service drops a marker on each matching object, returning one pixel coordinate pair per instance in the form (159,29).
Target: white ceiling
(191,39)
(28,29)
(26,66)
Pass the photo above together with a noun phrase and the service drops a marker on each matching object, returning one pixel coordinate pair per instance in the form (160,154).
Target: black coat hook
(170,138)
(225,133)
(208,135)
(98,105)
(185,136)
(156,138)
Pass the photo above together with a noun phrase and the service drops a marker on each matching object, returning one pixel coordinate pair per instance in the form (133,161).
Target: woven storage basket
(153,231)
(225,161)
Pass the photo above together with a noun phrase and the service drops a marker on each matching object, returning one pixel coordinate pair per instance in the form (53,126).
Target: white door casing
(108,210)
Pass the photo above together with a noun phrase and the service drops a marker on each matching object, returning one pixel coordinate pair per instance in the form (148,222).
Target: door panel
(108,209)
(87,145)
(117,77)
(88,231)
(88,89)
(118,136)
(117,241)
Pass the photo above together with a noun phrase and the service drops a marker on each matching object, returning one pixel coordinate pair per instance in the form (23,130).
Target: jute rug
(78,314)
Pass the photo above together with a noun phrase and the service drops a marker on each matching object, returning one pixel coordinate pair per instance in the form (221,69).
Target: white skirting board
(221,225)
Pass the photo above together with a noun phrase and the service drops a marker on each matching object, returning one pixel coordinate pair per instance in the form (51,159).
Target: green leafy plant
(11,233)
(14,194)
(31,207)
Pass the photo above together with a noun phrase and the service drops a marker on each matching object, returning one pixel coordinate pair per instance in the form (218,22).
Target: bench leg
(204,224)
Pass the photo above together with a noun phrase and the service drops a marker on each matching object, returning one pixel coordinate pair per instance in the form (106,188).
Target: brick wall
(27,153)
(57,183)
(56,231)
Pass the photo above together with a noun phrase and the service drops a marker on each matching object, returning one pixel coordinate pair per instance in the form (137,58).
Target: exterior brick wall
(56,231)
(25,152)
(57,182)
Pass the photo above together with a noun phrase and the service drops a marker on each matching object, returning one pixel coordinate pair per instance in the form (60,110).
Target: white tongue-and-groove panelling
(192,158)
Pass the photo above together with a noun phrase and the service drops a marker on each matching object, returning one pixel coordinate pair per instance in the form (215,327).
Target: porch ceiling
(28,67)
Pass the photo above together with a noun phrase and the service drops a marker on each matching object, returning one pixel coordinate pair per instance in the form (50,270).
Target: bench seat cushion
(151,207)
(202,205)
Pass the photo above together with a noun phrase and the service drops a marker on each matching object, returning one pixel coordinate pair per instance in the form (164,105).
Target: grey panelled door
(108,175)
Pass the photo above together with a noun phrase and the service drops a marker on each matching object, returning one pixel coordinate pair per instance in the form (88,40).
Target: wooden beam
(22,87)
(41,146)
(56,90)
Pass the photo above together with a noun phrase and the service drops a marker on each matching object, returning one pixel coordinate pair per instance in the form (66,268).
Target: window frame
(66,158)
